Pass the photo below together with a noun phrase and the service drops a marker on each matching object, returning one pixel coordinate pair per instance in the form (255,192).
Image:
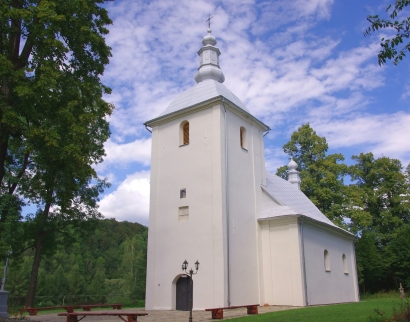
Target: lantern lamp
(184,265)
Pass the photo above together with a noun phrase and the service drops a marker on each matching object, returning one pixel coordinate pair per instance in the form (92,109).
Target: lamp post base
(3,303)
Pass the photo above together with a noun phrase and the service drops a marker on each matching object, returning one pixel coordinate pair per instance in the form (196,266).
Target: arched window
(327,261)
(242,133)
(345,268)
(184,133)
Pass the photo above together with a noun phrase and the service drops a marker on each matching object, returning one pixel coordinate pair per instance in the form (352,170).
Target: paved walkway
(164,316)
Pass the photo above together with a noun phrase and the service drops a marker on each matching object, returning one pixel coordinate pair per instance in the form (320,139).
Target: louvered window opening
(186,133)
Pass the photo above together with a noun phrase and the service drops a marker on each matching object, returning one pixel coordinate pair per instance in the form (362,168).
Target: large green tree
(321,174)
(52,117)
(134,262)
(396,47)
(381,191)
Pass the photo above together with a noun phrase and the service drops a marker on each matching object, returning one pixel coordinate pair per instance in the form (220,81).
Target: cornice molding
(208,104)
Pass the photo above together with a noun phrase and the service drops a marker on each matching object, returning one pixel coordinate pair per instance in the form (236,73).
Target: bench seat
(217,313)
(130,316)
(70,308)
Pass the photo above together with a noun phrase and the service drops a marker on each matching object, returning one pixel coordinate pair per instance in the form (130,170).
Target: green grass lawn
(350,312)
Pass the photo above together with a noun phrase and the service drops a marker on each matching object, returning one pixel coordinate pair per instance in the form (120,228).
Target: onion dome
(292,165)
(209,61)
(293,174)
(209,39)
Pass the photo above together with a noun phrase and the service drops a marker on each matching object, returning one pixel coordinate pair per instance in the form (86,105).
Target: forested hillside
(106,265)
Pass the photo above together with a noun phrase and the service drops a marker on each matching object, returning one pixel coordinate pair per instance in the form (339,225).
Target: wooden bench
(218,313)
(88,307)
(130,316)
(34,310)
(70,308)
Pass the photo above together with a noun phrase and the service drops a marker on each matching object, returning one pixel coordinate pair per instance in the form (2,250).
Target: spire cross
(209,21)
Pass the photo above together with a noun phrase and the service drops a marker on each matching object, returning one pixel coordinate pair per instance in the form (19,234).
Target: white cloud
(406,92)
(138,151)
(130,201)
(287,72)
(385,134)
(275,158)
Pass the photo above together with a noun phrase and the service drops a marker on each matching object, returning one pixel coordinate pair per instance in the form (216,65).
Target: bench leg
(69,309)
(71,319)
(217,314)
(32,311)
(86,308)
(132,318)
(252,309)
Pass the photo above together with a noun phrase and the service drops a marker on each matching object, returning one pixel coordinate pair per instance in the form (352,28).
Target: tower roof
(202,92)
(209,78)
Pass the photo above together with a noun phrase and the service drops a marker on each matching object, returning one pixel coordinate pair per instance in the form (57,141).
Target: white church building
(258,238)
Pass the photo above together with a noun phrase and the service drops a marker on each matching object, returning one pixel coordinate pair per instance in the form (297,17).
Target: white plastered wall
(334,286)
(281,261)
(197,167)
(246,168)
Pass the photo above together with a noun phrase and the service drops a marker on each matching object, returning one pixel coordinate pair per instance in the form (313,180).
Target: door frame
(174,290)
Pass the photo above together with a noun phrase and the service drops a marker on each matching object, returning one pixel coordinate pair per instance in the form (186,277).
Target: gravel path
(162,316)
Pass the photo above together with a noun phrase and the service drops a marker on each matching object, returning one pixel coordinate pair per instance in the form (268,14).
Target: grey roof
(292,201)
(202,92)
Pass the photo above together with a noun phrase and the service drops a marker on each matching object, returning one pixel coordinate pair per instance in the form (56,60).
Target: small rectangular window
(183,214)
(182,193)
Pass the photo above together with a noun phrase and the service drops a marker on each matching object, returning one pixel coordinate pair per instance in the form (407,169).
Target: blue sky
(290,62)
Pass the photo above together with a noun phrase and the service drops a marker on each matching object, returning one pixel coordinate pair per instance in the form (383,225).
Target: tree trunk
(34,270)
(3,154)
(37,256)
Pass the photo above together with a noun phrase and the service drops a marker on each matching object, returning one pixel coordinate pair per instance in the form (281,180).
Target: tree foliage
(321,174)
(381,191)
(375,206)
(396,47)
(105,265)
(52,119)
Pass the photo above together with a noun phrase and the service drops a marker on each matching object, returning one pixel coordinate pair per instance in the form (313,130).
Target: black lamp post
(190,273)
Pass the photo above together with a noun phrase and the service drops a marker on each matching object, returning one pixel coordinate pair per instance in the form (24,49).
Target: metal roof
(201,92)
(292,201)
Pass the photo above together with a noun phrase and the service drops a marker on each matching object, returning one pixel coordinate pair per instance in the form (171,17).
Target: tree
(60,285)
(321,175)
(52,117)
(372,266)
(97,286)
(398,253)
(392,49)
(134,263)
(381,194)
(382,191)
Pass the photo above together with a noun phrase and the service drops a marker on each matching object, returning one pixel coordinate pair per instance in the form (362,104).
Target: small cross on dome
(209,21)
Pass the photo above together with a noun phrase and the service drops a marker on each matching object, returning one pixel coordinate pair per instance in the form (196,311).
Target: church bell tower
(207,166)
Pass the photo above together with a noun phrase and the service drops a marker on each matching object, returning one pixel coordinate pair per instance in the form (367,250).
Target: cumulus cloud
(120,154)
(130,202)
(154,57)
(385,134)
(286,69)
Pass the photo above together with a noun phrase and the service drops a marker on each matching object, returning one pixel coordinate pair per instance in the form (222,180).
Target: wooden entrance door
(184,293)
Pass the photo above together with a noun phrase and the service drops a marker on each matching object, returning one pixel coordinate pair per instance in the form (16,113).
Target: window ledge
(184,145)
(244,149)
(327,270)
(346,273)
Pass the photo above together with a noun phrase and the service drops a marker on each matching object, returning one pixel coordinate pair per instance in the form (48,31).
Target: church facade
(258,238)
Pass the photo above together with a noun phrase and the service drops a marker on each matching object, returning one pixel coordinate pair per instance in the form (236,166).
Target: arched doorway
(183,293)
